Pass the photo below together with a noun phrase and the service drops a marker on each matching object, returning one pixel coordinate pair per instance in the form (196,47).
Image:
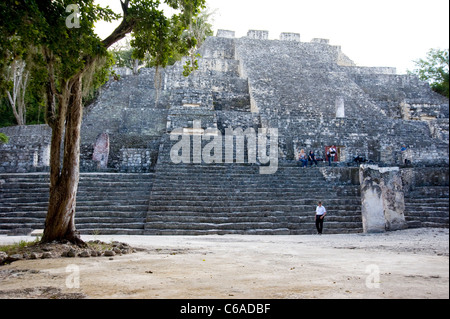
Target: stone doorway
(339,153)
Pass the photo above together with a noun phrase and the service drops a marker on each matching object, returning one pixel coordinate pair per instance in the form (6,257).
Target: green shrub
(3,139)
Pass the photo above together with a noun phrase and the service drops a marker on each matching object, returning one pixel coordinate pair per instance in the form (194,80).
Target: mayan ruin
(315,97)
(224,159)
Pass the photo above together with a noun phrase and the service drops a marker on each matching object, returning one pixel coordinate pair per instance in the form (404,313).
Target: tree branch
(123,29)
(125,6)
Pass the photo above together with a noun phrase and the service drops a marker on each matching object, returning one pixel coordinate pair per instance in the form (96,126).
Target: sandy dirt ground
(402,265)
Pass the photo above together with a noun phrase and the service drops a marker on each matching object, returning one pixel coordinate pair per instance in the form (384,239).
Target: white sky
(389,33)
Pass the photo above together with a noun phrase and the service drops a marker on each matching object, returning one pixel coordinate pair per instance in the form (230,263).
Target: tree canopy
(199,30)
(435,70)
(63,38)
(57,40)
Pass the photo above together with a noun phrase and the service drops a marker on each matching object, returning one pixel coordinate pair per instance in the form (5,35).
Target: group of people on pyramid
(304,159)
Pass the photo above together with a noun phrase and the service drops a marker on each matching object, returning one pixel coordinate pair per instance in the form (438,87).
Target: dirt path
(404,264)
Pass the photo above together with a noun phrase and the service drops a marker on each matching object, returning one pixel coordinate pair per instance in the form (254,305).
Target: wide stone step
(183,232)
(27,208)
(308,229)
(19,214)
(108,180)
(429,193)
(98,224)
(81,196)
(226,174)
(39,201)
(120,213)
(205,226)
(83,181)
(420,209)
(250,225)
(435,202)
(111,215)
(234,167)
(111,208)
(198,184)
(300,193)
(82,202)
(250,213)
(423,223)
(252,179)
(437,218)
(434,224)
(111,231)
(20,189)
(240,219)
(295,198)
(245,203)
(6,228)
(231,209)
(6,221)
(427,213)
(188,190)
(25,187)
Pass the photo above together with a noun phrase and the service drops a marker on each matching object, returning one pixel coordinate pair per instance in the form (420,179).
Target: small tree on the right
(434,70)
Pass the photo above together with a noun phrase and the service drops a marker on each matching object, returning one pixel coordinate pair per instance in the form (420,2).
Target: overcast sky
(372,33)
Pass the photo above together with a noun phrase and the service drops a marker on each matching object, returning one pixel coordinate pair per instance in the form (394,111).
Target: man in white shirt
(320,215)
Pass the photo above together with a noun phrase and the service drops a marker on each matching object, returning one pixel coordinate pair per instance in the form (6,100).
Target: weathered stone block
(295,37)
(101,150)
(225,34)
(319,40)
(258,34)
(382,199)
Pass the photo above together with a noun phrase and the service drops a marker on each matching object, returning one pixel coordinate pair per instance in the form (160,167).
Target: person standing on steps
(321,212)
(405,155)
(333,152)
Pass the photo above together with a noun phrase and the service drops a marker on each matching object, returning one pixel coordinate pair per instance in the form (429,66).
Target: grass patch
(20,247)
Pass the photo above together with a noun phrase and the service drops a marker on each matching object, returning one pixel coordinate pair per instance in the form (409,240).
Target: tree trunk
(60,221)
(135,66)
(19,77)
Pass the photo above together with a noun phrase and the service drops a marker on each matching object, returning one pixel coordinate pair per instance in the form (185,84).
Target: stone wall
(310,91)
(258,34)
(28,149)
(424,177)
(315,102)
(135,160)
(290,37)
(134,115)
(226,34)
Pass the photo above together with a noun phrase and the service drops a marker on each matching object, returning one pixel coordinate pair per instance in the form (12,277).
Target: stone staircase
(427,206)
(236,199)
(208,199)
(23,201)
(106,203)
